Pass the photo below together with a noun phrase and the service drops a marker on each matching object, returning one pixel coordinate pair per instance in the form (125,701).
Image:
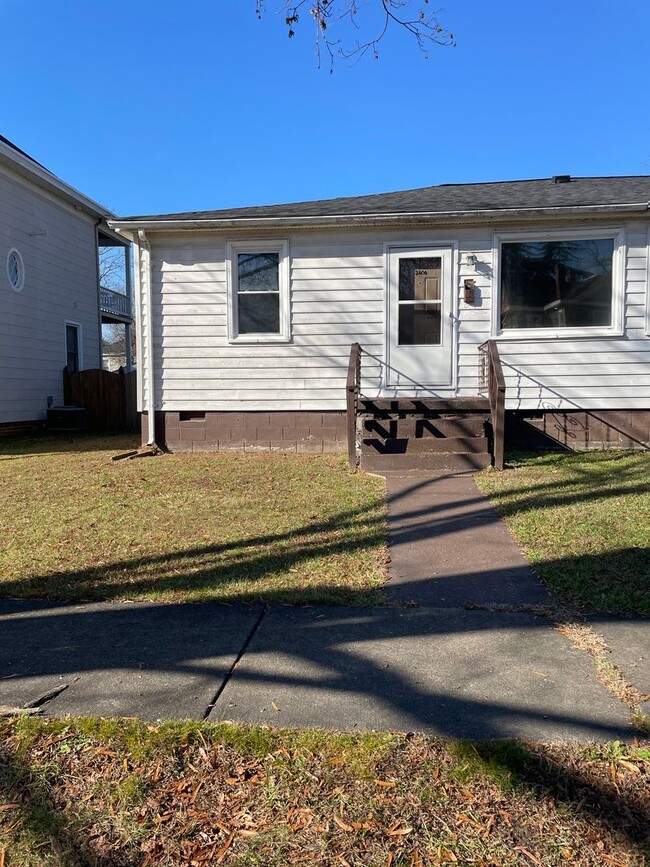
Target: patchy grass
(226,527)
(583,519)
(97,792)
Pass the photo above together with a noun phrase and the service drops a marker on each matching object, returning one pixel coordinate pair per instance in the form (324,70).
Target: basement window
(258,291)
(560,284)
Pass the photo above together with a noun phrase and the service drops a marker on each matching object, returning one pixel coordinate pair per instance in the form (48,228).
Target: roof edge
(404,218)
(25,166)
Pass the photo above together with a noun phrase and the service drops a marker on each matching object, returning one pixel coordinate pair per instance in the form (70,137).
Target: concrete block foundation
(304,432)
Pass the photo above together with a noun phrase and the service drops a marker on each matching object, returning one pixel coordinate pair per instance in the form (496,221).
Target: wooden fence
(109,398)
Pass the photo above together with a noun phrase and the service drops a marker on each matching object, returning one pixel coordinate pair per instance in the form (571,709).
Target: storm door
(420,323)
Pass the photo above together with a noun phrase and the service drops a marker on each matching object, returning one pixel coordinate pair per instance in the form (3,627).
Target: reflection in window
(420,301)
(258,293)
(557,284)
(419,325)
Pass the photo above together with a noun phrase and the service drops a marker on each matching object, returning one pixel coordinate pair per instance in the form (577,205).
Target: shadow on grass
(539,770)
(41,826)
(229,572)
(29,446)
(206,571)
(598,476)
(586,809)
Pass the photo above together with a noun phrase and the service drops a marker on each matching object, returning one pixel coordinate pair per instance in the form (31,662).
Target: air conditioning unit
(67,418)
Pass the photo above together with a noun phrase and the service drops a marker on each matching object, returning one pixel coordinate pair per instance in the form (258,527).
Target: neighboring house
(50,309)
(247,318)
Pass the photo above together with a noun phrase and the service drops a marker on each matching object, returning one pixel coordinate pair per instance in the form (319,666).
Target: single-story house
(402,326)
(52,305)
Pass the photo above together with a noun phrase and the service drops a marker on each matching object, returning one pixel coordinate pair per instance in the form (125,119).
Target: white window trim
(265,246)
(21,284)
(80,342)
(647,285)
(422,245)
(616,329)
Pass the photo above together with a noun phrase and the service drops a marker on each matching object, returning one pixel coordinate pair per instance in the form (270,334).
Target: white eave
(27,168)
(497,215)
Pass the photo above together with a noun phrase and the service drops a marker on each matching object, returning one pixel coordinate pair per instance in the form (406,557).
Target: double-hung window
(258,291)
(557,284)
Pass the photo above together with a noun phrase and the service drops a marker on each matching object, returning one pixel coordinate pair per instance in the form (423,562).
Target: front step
(383,407)
(429,445)
(420,428)
(424,434)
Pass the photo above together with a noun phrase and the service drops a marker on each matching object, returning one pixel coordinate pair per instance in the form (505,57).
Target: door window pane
(419,324)
(420,301)
(557,284)
(420,279)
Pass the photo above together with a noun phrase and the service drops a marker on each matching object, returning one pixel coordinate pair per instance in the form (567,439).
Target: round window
(15,270)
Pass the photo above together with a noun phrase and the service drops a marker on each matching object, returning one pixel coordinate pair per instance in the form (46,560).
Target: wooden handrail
(352,392)
(494,383)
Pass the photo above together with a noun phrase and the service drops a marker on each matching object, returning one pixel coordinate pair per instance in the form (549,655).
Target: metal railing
(114,303)
(491,382)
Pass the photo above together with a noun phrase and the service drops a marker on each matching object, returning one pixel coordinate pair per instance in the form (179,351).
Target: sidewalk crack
(232,668)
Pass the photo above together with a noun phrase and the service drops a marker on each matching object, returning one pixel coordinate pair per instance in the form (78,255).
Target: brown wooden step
(425,461)
(430,445)
(412,405)
(424,428)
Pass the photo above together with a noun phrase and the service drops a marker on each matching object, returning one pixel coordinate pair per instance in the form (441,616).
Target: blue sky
(159,106)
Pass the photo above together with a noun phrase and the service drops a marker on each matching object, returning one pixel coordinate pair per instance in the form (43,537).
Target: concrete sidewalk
(430,666)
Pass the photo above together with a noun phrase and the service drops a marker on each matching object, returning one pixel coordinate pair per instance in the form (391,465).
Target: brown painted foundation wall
(303,432)
(10,428)
(579,429)
(310,432)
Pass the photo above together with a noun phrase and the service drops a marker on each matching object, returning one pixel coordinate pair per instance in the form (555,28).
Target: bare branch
(330,16)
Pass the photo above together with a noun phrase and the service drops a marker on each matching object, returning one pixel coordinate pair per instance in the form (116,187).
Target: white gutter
(145,281)
(406,218)
(26,167)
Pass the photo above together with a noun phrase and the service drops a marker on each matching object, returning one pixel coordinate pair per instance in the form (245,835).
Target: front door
(420,323)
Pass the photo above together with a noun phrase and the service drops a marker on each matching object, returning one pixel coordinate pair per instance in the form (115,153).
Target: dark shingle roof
(21,152)
(447,198)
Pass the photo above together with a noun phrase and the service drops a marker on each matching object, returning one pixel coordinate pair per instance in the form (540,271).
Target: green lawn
(583,519)
(122,793)
(232,528)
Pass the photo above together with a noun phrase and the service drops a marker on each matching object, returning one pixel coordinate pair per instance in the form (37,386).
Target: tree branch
(328,16)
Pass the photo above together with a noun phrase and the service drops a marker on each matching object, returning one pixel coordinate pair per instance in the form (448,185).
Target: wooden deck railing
(352,392)
(115,303)
(492,383)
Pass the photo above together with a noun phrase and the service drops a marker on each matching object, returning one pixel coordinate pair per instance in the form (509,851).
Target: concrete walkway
(432,665)
(450,548)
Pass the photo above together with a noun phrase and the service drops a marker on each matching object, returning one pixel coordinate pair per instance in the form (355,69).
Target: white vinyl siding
(337,296)
(58,248)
